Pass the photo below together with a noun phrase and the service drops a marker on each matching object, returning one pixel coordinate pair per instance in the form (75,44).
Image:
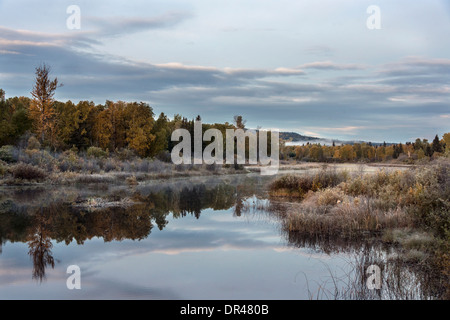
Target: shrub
(7,154)
(40,158)
(143,165)
(164,156)
(96,152)
(110,165)
(131,181)
(330,197)
(158,166)
(125,154)
(28,172)
(213,167)
(2,169)
(33,143)
(69,161)
(90,166)
(94,178)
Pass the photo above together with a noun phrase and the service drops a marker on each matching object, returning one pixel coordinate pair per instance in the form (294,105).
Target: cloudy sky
(313,67)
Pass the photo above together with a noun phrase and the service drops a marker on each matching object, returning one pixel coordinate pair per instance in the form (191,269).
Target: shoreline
(136,177)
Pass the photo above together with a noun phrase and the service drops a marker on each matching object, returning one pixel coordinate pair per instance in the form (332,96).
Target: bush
(96,152)
(40,158)
(131,181)
(2,169)
(330,197)
(69,161)
(110,165)
(164,156)
(7,154)
(125,154)
(28,172)
(33,143)
(90,166)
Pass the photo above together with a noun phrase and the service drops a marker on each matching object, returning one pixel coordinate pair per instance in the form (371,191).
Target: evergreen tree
(436,147)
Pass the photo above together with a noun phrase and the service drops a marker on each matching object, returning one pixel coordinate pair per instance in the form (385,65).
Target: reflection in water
(40,245)
(400,279)
(38,222)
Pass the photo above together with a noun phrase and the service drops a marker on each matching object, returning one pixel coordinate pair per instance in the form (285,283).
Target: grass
(300,185)
(27,166)
(338,201)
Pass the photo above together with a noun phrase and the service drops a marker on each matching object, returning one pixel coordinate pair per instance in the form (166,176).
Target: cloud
(115,26)
(355,95)
(328,65)
(416,66)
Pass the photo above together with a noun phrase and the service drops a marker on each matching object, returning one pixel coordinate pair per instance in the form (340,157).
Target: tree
(102,128)
(14,119)
(436,147)
(239,122)
(41,108)
(161,132)
(139,125)
(347,153)
(446,140)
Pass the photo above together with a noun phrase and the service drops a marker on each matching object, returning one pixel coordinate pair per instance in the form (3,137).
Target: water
(202,238)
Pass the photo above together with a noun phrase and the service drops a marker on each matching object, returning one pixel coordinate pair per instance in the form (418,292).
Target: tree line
(119,125)
(78,126)
(408,152)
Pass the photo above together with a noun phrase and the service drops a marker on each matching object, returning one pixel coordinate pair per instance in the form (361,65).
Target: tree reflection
(40,245)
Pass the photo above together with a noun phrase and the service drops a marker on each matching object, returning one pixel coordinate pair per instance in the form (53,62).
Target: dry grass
(333,203)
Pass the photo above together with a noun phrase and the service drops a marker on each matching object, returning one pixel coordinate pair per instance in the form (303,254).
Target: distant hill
(294,137)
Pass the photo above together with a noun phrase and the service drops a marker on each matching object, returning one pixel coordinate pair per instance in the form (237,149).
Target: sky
(313,67)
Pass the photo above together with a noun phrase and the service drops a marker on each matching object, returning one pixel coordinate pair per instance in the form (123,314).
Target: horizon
(311,68)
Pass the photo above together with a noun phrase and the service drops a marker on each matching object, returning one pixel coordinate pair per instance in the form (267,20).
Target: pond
(189,238)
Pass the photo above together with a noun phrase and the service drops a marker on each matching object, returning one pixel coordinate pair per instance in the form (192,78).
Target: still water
(192,238)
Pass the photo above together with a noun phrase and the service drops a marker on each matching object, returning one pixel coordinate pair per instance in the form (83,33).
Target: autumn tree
(446,141)
(139,124)
(102,128)
(42,106)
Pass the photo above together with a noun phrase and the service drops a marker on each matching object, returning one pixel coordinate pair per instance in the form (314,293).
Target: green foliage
(14,119)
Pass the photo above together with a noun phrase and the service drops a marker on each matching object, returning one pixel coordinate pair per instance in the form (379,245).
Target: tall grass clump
(300,185)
